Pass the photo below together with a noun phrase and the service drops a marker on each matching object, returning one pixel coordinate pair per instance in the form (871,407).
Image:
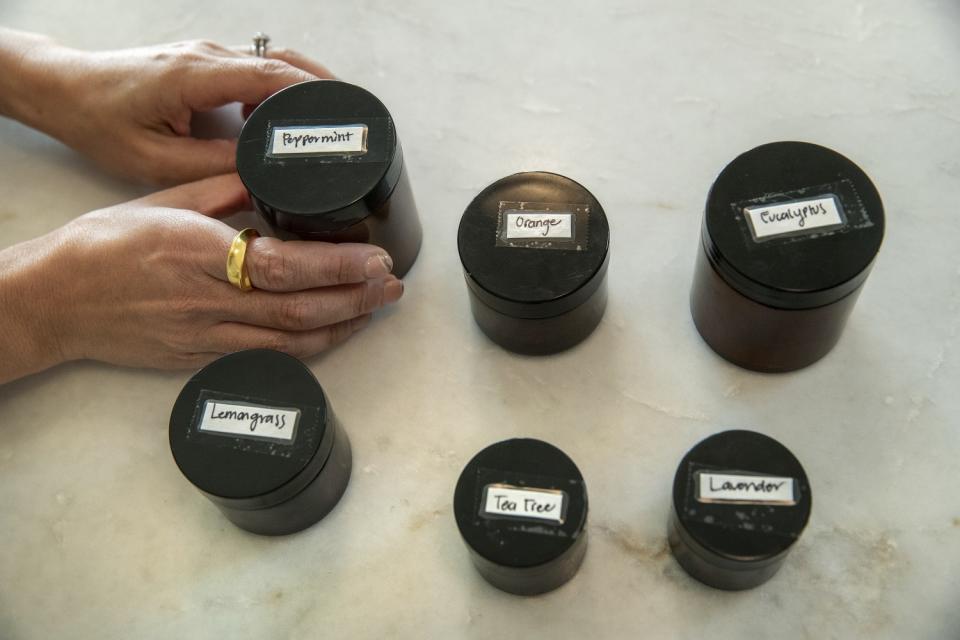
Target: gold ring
(236,265)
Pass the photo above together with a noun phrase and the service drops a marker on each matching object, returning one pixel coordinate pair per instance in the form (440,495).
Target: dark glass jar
(255,433)
(322,161)
(535,249)
(521,507)
(789,235)
(740,502)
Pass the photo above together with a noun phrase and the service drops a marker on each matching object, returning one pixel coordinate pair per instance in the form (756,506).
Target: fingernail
(378,265)
(392,291)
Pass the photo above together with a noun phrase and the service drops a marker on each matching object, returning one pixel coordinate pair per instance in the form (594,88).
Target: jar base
(307,507)
(711,575)
(534,581)
(541,336)
(761,338)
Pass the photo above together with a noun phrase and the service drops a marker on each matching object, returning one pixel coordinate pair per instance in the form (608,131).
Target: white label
(726,487)
(249,420)
(792,217)
(539,224)
(318,140)
(539,504)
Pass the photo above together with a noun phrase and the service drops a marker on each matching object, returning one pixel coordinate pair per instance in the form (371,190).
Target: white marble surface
(643,102)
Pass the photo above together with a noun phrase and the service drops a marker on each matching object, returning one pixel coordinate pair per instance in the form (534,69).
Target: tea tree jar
(521,507)
(255,433)
(535,249)
(789,235)
(740,502)
(322,161)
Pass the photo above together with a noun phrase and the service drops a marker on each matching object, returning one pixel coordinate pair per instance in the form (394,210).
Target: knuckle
(188,55)
(197,48)
(176,63)
(296,314)
(340,268)
(185,309)
(270,66)
(278,341)
(162,55)
(203,44)
(275,268)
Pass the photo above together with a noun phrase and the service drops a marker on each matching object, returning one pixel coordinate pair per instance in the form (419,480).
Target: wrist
(30,321)
(34,71)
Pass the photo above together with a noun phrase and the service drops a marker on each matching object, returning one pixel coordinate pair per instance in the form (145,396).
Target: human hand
(144,284)
(130,110)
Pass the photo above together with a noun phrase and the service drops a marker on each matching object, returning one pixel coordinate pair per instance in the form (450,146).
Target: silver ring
(259,46)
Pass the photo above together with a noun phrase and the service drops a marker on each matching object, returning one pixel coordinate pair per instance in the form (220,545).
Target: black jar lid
(793,225)
(740,497)
(516,471)
(319,186)
(534,277)
(250,429)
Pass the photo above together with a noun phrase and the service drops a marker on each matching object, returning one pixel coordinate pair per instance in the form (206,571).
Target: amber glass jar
(741,500)
(789,235)
(256,434)
(535,249)
(521,508)
(322,161)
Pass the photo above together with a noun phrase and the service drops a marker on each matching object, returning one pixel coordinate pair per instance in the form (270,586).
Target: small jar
(521,507)
(322,161)
(254,432)
(789,235)
(740,502)
(535,248)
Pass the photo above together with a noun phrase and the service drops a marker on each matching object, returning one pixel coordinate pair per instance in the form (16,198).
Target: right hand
(144,284)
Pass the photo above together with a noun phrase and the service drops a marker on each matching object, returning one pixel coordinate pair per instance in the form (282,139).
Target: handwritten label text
(792,217)
(318,140)
(510,501)
(249,420)
(729,487)
(538,225)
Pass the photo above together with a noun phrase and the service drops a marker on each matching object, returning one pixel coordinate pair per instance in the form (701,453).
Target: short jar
(740,502)
(255,433)
(789,236)
(521,507)
(322,161)
(535,249)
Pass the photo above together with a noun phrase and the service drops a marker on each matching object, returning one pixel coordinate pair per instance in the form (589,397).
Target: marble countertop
(643,103)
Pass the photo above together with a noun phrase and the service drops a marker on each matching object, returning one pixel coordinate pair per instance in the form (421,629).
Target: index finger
(295,58)
(242,79)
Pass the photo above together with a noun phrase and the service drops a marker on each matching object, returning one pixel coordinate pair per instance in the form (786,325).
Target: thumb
(215,197)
